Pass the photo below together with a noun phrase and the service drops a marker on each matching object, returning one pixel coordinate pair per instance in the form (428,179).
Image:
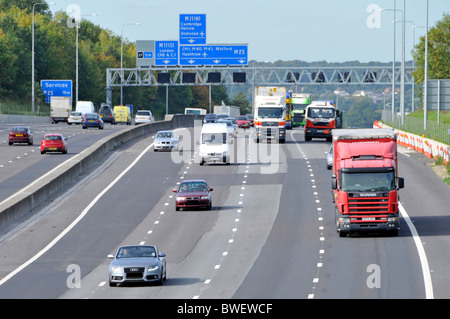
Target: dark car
(107,114)
(21,134)
(210,118)
(193,193)
(92,120)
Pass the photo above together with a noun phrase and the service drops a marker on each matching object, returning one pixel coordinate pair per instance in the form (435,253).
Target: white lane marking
(75,222)
(422,255)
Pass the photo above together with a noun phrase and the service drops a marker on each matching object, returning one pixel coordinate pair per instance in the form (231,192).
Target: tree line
(100,48)
(55,58)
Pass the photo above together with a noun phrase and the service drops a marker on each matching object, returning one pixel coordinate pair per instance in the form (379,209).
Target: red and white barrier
(430,148)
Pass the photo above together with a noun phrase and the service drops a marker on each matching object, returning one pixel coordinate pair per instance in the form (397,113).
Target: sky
(306,30)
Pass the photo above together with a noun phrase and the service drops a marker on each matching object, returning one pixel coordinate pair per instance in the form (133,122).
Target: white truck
(232,111)
(59,109)
(269,113)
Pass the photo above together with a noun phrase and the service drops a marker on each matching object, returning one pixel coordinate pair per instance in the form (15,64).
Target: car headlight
(116,269)
(204,197)
(152,268)
(180,199)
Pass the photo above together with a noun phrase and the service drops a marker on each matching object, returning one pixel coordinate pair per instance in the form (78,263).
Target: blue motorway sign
(192,28)
(166,53)
(214,54)
(56,88)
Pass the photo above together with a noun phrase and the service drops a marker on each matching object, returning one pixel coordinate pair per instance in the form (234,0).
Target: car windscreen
(214,138)
(192,187)
(143,113)
(164,135)
(136,252)
(53,138)
(19,129)
(91,116)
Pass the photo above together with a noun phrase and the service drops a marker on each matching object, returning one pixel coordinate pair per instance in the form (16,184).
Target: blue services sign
(192,28)
(56,88)
(216,54)
(166,53)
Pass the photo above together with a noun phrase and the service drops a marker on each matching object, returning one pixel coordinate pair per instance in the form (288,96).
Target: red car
(193,193)
(243,121)
(54,142)
(20,134)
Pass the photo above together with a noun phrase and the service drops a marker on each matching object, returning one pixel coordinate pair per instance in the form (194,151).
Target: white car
(165,140)
(75,117)
(230,126)
(143,116)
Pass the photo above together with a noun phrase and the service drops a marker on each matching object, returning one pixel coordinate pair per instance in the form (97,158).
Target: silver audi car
(139,263)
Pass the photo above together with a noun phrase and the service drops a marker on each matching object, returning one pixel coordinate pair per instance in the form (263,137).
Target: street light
(393,62)
(32,55)
(78,25)
(425,80)
(121,60)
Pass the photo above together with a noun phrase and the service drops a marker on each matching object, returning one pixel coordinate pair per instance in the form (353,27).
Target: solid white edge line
(75,222)
(422,255)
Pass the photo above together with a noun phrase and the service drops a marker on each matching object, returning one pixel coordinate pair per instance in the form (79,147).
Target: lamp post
(78,24)
(425,80)
(32,55)
(393,61)
(413,27)
(121,60)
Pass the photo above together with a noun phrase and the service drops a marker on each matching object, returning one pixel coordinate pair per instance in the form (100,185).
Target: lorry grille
(363,210)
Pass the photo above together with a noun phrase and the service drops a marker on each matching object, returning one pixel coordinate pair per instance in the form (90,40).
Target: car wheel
(161,277)
(177,208)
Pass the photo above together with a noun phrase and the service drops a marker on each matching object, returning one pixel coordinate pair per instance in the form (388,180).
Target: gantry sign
(191,61)
(227,75)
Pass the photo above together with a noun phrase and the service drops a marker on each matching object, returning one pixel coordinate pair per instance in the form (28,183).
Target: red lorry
(365,184)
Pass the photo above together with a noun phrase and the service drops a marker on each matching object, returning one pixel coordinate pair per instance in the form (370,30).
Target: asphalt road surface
(270,234)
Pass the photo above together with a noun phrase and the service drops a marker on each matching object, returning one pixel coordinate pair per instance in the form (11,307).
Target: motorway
(270,234)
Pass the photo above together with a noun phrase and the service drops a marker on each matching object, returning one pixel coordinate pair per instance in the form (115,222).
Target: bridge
(277,76)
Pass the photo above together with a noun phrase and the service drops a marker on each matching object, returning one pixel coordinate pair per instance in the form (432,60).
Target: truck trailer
(365,185)
(270,114)
(59,109)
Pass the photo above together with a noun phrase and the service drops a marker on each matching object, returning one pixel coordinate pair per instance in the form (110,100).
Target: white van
(85,107)
(215,143)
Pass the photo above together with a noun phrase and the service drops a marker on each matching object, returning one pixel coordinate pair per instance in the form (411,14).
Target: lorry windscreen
(299,106)
(270,112)
(321,112)
(367,182)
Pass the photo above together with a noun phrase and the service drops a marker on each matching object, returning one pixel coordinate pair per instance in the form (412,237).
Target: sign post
(56,88)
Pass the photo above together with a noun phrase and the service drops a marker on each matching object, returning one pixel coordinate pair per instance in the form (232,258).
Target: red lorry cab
(365,182)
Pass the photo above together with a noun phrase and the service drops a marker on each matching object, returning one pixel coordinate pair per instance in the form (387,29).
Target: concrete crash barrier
(24,119)
(21,204)
(430,148)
